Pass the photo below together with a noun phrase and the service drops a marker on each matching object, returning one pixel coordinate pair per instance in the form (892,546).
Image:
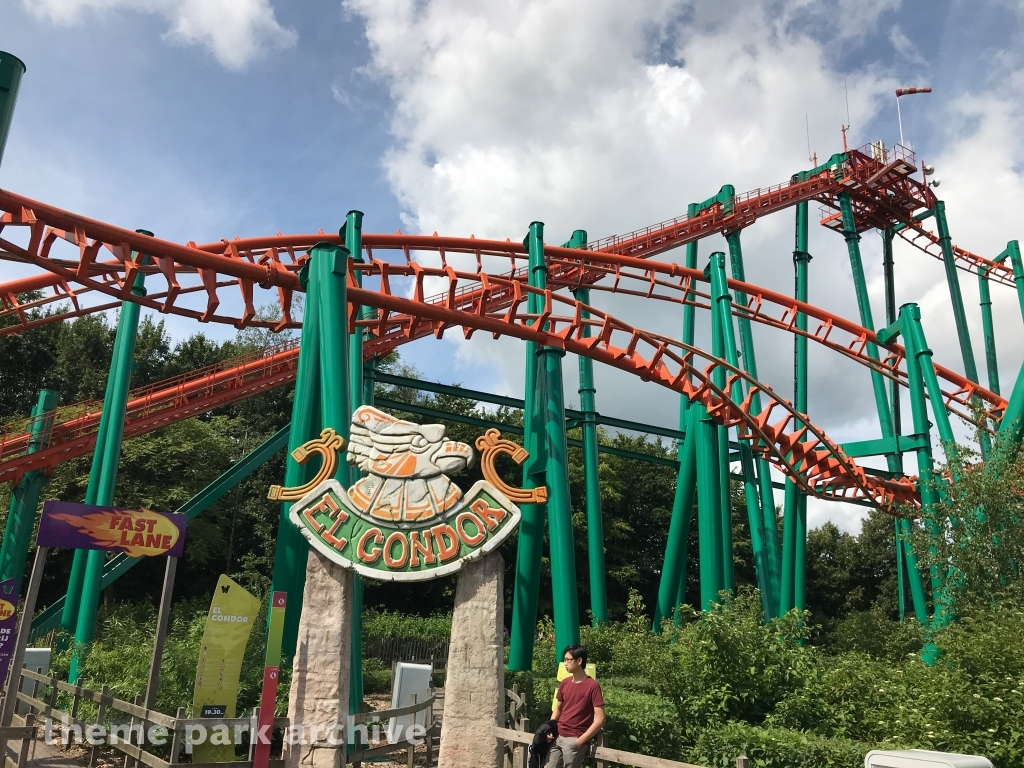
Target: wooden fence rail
(179,727)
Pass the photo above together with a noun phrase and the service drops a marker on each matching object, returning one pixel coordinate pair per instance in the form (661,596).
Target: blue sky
(205,119)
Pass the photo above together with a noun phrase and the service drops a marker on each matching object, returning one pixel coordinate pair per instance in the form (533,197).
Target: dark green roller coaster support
(531,526)
(953,281)
(1013,253)
(682,504)
(708,505)
(25,497)
(11,70)
(721,307)
(591,464)
(885,415)
(749,361)
(724,511)
(917,360)
(560,537)
(673,572)
(985,301)
(794,516)
(352,235)
(894,396)
(80,611)
(291,549)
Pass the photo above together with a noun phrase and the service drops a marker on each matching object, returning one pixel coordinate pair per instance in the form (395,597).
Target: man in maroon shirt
(579,710)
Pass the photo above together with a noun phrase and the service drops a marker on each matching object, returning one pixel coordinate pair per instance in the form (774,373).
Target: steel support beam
(25,496)
(291,549)
(531,526)
(88,565)
(352,236)
(591,464)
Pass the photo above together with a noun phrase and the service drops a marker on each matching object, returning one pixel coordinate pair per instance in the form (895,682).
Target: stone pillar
(318,698)
(474,692)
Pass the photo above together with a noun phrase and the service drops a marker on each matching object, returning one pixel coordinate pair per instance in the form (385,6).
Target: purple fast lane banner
(8,621)
(135,532)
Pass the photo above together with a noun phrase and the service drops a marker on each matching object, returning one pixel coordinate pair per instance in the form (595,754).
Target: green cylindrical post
(709,507)
(680,507)
(749,360)
(25,496)
(110,433)
(721,307)
(718,376)
(673,572)
(352,235)
(885,415)
(989,331)
(11,70)
(591,464)
(917,596)
(531,525)
(864,306)
(291,549)
(900,587)
(926,487)
(1013,251)
(563,558)
(795,506)
(953,281)
(756,530)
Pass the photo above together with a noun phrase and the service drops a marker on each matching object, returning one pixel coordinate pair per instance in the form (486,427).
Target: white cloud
(595,116)
(905,47)
(235,31)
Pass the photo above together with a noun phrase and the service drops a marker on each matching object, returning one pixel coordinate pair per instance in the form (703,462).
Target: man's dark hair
(578,652)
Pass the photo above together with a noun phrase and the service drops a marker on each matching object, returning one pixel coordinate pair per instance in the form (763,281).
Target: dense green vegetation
(813,690)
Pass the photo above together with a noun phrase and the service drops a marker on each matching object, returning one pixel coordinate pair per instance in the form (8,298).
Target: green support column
(985,300)
(885,415)
(917,596)
(718,376)
(352,236)
(926,486)
(1013,252)
(900,587)
(955,296)
(708,506)
(749,361)
(11,70)
(562,554)
(25,497)
(795,506)
(673,571)
(681,508)
(103,476)
(531,525)
(591,464)
(1011,428)
(291,548)
(721,308)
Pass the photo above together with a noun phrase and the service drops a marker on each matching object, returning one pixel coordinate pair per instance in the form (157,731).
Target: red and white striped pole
(906,92)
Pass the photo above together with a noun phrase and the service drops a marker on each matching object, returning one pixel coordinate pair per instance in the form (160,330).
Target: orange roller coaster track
(483,288)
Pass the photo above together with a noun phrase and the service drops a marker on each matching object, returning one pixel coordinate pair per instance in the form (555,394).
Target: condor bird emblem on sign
(405,520)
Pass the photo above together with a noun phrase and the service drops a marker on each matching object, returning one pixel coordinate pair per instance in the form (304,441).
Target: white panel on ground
(410,680)
(922,758)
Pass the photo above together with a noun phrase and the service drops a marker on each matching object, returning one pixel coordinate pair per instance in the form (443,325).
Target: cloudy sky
(205,119)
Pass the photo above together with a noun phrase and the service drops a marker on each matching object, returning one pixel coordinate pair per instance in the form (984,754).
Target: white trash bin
(922,758)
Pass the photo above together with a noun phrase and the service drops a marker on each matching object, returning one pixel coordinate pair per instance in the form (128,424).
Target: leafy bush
(376,676)
(641,722)
(774,748)
(393,624)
